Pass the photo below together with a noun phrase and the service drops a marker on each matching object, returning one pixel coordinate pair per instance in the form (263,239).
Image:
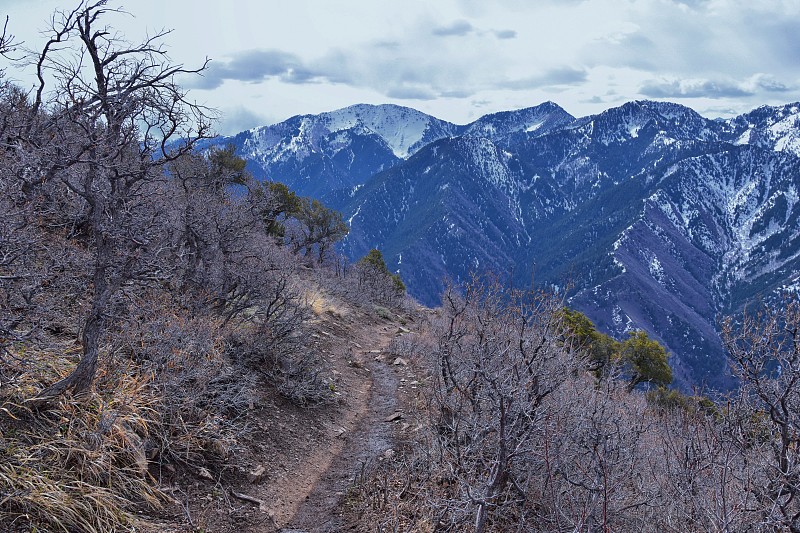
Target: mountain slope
(450,209)
(654,216)
(648,211)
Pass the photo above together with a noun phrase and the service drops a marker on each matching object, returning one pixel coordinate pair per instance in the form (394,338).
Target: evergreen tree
(646,360)
(376,277)
(601,349)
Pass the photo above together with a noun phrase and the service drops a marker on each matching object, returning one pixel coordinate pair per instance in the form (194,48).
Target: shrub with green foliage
(319,227)
(281,204)
(674,400)
(374,277)
(314,226)
(601,349)
(646,360)
(225,163)
(642,358)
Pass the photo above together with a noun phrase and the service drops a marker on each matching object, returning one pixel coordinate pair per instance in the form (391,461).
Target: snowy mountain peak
(536,120)
(772,127)
(402,128)
(647,122)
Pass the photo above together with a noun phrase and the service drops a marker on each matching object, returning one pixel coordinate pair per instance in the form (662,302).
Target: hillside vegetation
(525,425)
(181,349)
(148,293)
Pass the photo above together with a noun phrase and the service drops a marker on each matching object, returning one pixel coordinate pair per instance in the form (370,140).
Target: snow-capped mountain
(508,127)
(775,128)
(316,154)
(319,154)
(654,216)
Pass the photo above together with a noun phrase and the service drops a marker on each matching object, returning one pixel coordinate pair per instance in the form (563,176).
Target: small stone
(388,454)
(204,473)
(395,417)
(257,475)
(399,361)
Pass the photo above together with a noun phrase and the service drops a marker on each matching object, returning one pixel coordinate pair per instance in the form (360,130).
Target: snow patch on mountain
(401,127)
(773,127)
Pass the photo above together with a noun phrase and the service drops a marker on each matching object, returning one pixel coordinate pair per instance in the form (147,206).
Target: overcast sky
(460,59)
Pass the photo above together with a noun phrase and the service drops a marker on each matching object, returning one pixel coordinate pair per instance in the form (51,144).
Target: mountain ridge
(644,203)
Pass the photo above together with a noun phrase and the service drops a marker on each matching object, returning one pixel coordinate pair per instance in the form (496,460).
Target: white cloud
(693,88)
(283,57)
(239,118)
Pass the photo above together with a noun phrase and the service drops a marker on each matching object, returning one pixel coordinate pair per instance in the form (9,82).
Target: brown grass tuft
(79,464)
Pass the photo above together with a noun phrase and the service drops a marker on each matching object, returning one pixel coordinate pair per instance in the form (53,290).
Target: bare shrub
(706,471)
(765,350)
(592,461)
(201,395)
(517,435)
(497,361)
(272,333)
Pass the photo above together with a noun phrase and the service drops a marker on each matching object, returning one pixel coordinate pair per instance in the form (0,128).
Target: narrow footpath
(312,469)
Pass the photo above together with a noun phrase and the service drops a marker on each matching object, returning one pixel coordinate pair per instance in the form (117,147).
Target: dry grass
(164,396)
(79,464)
(321,304)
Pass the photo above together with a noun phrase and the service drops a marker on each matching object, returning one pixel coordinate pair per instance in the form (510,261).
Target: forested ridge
(179,343)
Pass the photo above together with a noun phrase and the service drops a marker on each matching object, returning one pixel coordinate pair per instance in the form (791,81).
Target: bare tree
(7,43)
(103,131)
(765,350)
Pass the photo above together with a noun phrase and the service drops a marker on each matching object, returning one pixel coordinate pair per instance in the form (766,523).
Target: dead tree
(103,118)
(765,351)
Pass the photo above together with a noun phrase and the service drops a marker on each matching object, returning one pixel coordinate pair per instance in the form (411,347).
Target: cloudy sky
(460,59)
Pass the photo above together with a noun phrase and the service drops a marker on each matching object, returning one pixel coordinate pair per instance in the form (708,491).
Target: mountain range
(647,215)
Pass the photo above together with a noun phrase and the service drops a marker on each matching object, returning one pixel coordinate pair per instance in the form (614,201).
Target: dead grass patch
(78,464)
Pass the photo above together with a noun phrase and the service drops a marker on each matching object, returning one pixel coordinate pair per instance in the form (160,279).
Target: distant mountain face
(328,153)
(655,217)
(318,154)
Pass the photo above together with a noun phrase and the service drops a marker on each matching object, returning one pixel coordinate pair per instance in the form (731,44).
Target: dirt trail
(290,472)
(312,457)
(371,437)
